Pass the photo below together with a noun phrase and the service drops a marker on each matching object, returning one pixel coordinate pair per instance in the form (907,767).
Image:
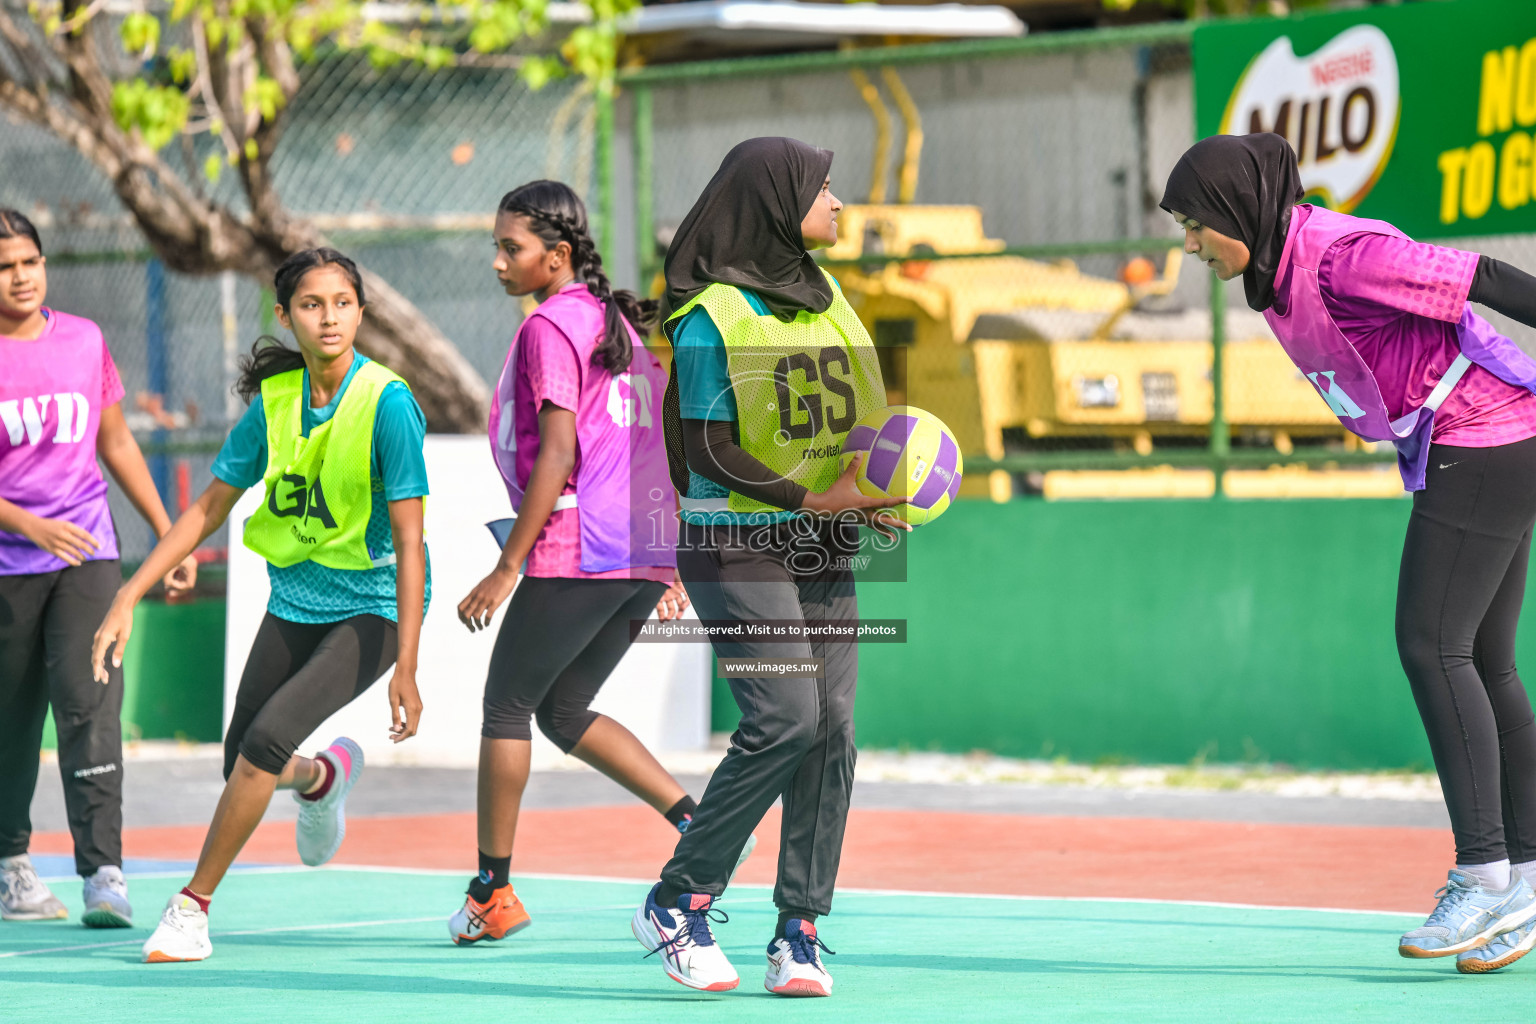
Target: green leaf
(140,33)
(213,167)
(252,151)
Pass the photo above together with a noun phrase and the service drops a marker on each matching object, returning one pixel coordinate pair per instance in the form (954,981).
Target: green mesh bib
(319,490)
(799,386)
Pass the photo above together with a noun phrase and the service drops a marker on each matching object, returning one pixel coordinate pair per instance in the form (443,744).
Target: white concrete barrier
(660,691)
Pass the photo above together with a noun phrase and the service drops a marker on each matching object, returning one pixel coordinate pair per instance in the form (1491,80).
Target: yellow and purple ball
(908,453)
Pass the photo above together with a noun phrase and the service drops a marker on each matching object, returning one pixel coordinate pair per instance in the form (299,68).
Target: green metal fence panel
(1143,631)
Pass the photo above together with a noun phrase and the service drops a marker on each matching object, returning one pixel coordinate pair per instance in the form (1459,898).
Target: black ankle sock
(786,916)
(681,813)
(493,875)
(666,896)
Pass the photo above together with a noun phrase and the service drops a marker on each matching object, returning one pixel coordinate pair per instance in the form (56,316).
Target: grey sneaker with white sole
(23,896)
(106,899)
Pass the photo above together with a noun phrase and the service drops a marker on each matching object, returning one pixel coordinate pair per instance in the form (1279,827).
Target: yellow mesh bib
(319,491)
(799,386)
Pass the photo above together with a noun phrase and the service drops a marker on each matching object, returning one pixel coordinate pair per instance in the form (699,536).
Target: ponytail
(556,214)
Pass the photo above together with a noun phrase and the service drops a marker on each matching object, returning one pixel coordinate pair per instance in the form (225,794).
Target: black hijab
(744,229)
(1243,186)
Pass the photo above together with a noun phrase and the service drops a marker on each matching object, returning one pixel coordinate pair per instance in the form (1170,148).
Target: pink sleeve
(111,383)
(550,365)
(1401,274)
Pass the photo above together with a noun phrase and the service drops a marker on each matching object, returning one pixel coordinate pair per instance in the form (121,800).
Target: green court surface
(371,945)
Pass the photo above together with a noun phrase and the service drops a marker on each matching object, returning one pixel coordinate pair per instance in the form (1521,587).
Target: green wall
(173,673)
(1150,631)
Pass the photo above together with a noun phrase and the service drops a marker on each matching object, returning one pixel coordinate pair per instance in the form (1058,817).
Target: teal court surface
(367,944)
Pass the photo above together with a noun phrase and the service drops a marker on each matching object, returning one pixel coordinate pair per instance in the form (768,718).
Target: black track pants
(47,621)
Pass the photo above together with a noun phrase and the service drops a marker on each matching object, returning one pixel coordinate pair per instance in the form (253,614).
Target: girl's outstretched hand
(475,611)
(114,632)
(404,705)
(673,603)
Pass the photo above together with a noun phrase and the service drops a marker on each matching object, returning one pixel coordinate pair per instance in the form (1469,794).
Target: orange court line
(1344,866)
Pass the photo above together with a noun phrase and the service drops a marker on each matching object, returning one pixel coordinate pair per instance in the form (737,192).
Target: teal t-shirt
(309,591)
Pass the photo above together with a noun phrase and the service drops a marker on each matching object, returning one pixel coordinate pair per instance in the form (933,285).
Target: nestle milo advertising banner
(1422,114)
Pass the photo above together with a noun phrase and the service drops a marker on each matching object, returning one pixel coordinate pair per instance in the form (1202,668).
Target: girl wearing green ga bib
(771,369)
(335,440)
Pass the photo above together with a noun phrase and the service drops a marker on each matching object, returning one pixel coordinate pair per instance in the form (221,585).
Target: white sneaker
(23,896)
(689,953)
(794,962)
(106,899)
(323,823)
(182,934)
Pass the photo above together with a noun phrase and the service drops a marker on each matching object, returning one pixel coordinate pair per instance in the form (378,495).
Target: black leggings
(1458,603)
(47,620)
(298,675)
(559,642)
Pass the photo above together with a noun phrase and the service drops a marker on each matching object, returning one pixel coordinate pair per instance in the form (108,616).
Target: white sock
(1528,869)
(1494,875)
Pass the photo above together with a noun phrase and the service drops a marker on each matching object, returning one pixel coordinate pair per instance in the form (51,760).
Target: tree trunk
(452,395)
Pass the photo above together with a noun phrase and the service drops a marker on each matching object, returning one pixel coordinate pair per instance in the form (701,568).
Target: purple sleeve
(549,364)
(111,383)
(1400,274)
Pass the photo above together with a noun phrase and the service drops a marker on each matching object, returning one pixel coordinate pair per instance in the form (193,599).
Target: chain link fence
(1049,316)
(402,168)
(1002,240)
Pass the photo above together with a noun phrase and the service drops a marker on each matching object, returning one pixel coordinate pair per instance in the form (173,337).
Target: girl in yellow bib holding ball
(771,371)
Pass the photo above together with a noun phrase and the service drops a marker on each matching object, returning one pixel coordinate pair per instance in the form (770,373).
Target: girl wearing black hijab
(771,368)
(1381,326)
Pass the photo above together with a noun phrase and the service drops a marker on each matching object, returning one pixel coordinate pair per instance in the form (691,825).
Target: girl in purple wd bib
(1382,327)
(576,435)
(59,413)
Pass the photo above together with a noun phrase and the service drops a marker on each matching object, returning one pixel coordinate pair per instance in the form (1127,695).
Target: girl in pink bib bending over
(1383,328)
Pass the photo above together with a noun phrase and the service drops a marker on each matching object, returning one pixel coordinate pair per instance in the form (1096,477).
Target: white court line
(925,893)
(330,926)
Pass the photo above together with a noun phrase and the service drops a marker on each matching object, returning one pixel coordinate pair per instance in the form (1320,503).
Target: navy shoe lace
(803,948)
(695,928)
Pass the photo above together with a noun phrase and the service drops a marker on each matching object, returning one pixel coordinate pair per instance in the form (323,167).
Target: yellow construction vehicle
(1016,353)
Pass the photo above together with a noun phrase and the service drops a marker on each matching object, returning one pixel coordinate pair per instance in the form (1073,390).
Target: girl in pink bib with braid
(576,435)
(1384,329)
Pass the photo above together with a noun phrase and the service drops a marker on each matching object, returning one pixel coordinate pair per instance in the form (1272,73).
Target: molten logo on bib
(1337,107)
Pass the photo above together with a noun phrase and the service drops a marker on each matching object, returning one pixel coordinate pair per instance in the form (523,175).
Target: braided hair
(556,214)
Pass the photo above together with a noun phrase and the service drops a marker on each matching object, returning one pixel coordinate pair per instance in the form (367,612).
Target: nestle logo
(1345,65)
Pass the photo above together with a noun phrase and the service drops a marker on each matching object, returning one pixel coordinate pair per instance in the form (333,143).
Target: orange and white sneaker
(496,918)
(182,934)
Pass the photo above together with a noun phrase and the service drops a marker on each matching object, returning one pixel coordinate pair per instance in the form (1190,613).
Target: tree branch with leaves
(166,100)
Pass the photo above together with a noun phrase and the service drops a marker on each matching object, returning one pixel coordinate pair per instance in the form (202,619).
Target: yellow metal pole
(906,189)
(882,116)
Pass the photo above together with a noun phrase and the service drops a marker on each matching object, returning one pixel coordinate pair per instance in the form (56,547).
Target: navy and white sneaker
(794,962)
(1468,915)
(689,953)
